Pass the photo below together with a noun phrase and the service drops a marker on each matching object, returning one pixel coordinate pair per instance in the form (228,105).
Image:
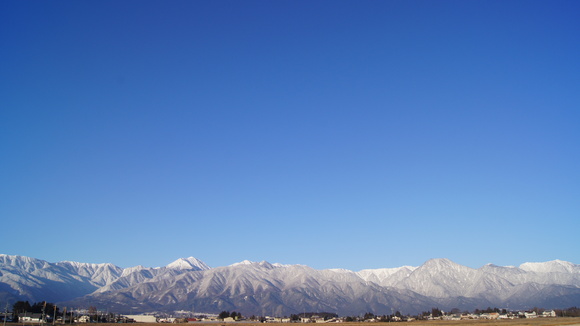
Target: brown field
(510,322)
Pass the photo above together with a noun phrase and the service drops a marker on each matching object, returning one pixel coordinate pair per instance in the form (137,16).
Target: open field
(481,322)
(572,321)
(510,322)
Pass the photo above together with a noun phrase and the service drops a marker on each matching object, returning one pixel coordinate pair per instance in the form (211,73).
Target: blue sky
(336,134)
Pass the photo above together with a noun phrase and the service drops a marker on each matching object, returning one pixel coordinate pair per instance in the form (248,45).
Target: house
(84,319)
(142,318)
(531,314)
(550,313)
(29,317)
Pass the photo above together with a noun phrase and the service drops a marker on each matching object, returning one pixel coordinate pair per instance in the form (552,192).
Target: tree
(93,313)
(538,310)
(224,314)
(37,307)
(21,306)
(368,315)
(435,312)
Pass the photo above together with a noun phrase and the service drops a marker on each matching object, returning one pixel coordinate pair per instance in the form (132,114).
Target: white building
(142,318)
(530,314)
(550,313)
(84,319)
(30,318)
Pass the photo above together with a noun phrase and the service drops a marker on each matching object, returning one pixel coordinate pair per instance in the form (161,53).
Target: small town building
(84,319)
(550,313)
(29,317)
(142,318)
(531,314)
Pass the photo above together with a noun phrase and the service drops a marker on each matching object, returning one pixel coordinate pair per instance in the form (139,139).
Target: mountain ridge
(263,288)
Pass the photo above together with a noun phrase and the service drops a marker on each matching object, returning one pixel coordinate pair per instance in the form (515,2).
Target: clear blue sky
(336,134)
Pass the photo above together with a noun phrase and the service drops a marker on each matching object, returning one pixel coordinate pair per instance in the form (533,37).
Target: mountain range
(262,288)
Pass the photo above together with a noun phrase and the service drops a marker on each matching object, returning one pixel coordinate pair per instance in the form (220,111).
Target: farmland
(510,322)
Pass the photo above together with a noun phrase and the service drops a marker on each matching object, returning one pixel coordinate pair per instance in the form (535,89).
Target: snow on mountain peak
(280,265)
(439,263)
(245,262)
(339,270)
(133,269)
(22,261)
(262,264)
(188,263)
(554,266)
(386,272)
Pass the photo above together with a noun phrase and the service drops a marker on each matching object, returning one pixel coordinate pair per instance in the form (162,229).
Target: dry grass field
(483,322)
(514,322)
(511,322)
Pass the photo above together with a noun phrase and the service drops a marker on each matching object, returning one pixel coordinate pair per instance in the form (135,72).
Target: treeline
(37,307)
(48,308)
(298,317)
(570,312)
(436,312)
(397,316)
(225,314)
(324,315)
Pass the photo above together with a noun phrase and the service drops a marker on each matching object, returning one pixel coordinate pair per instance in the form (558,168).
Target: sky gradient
(335,134)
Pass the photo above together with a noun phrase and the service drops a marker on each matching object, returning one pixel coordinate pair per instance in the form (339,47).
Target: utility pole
(5,314)
(42,317)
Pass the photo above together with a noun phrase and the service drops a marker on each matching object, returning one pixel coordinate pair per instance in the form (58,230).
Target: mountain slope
(274,289)
(265,289)
(24,278)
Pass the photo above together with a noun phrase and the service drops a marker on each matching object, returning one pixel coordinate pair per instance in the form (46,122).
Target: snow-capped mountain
(33,279)
(190,263)
(554,266)
(25,278)
(262,288)
(386,276)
